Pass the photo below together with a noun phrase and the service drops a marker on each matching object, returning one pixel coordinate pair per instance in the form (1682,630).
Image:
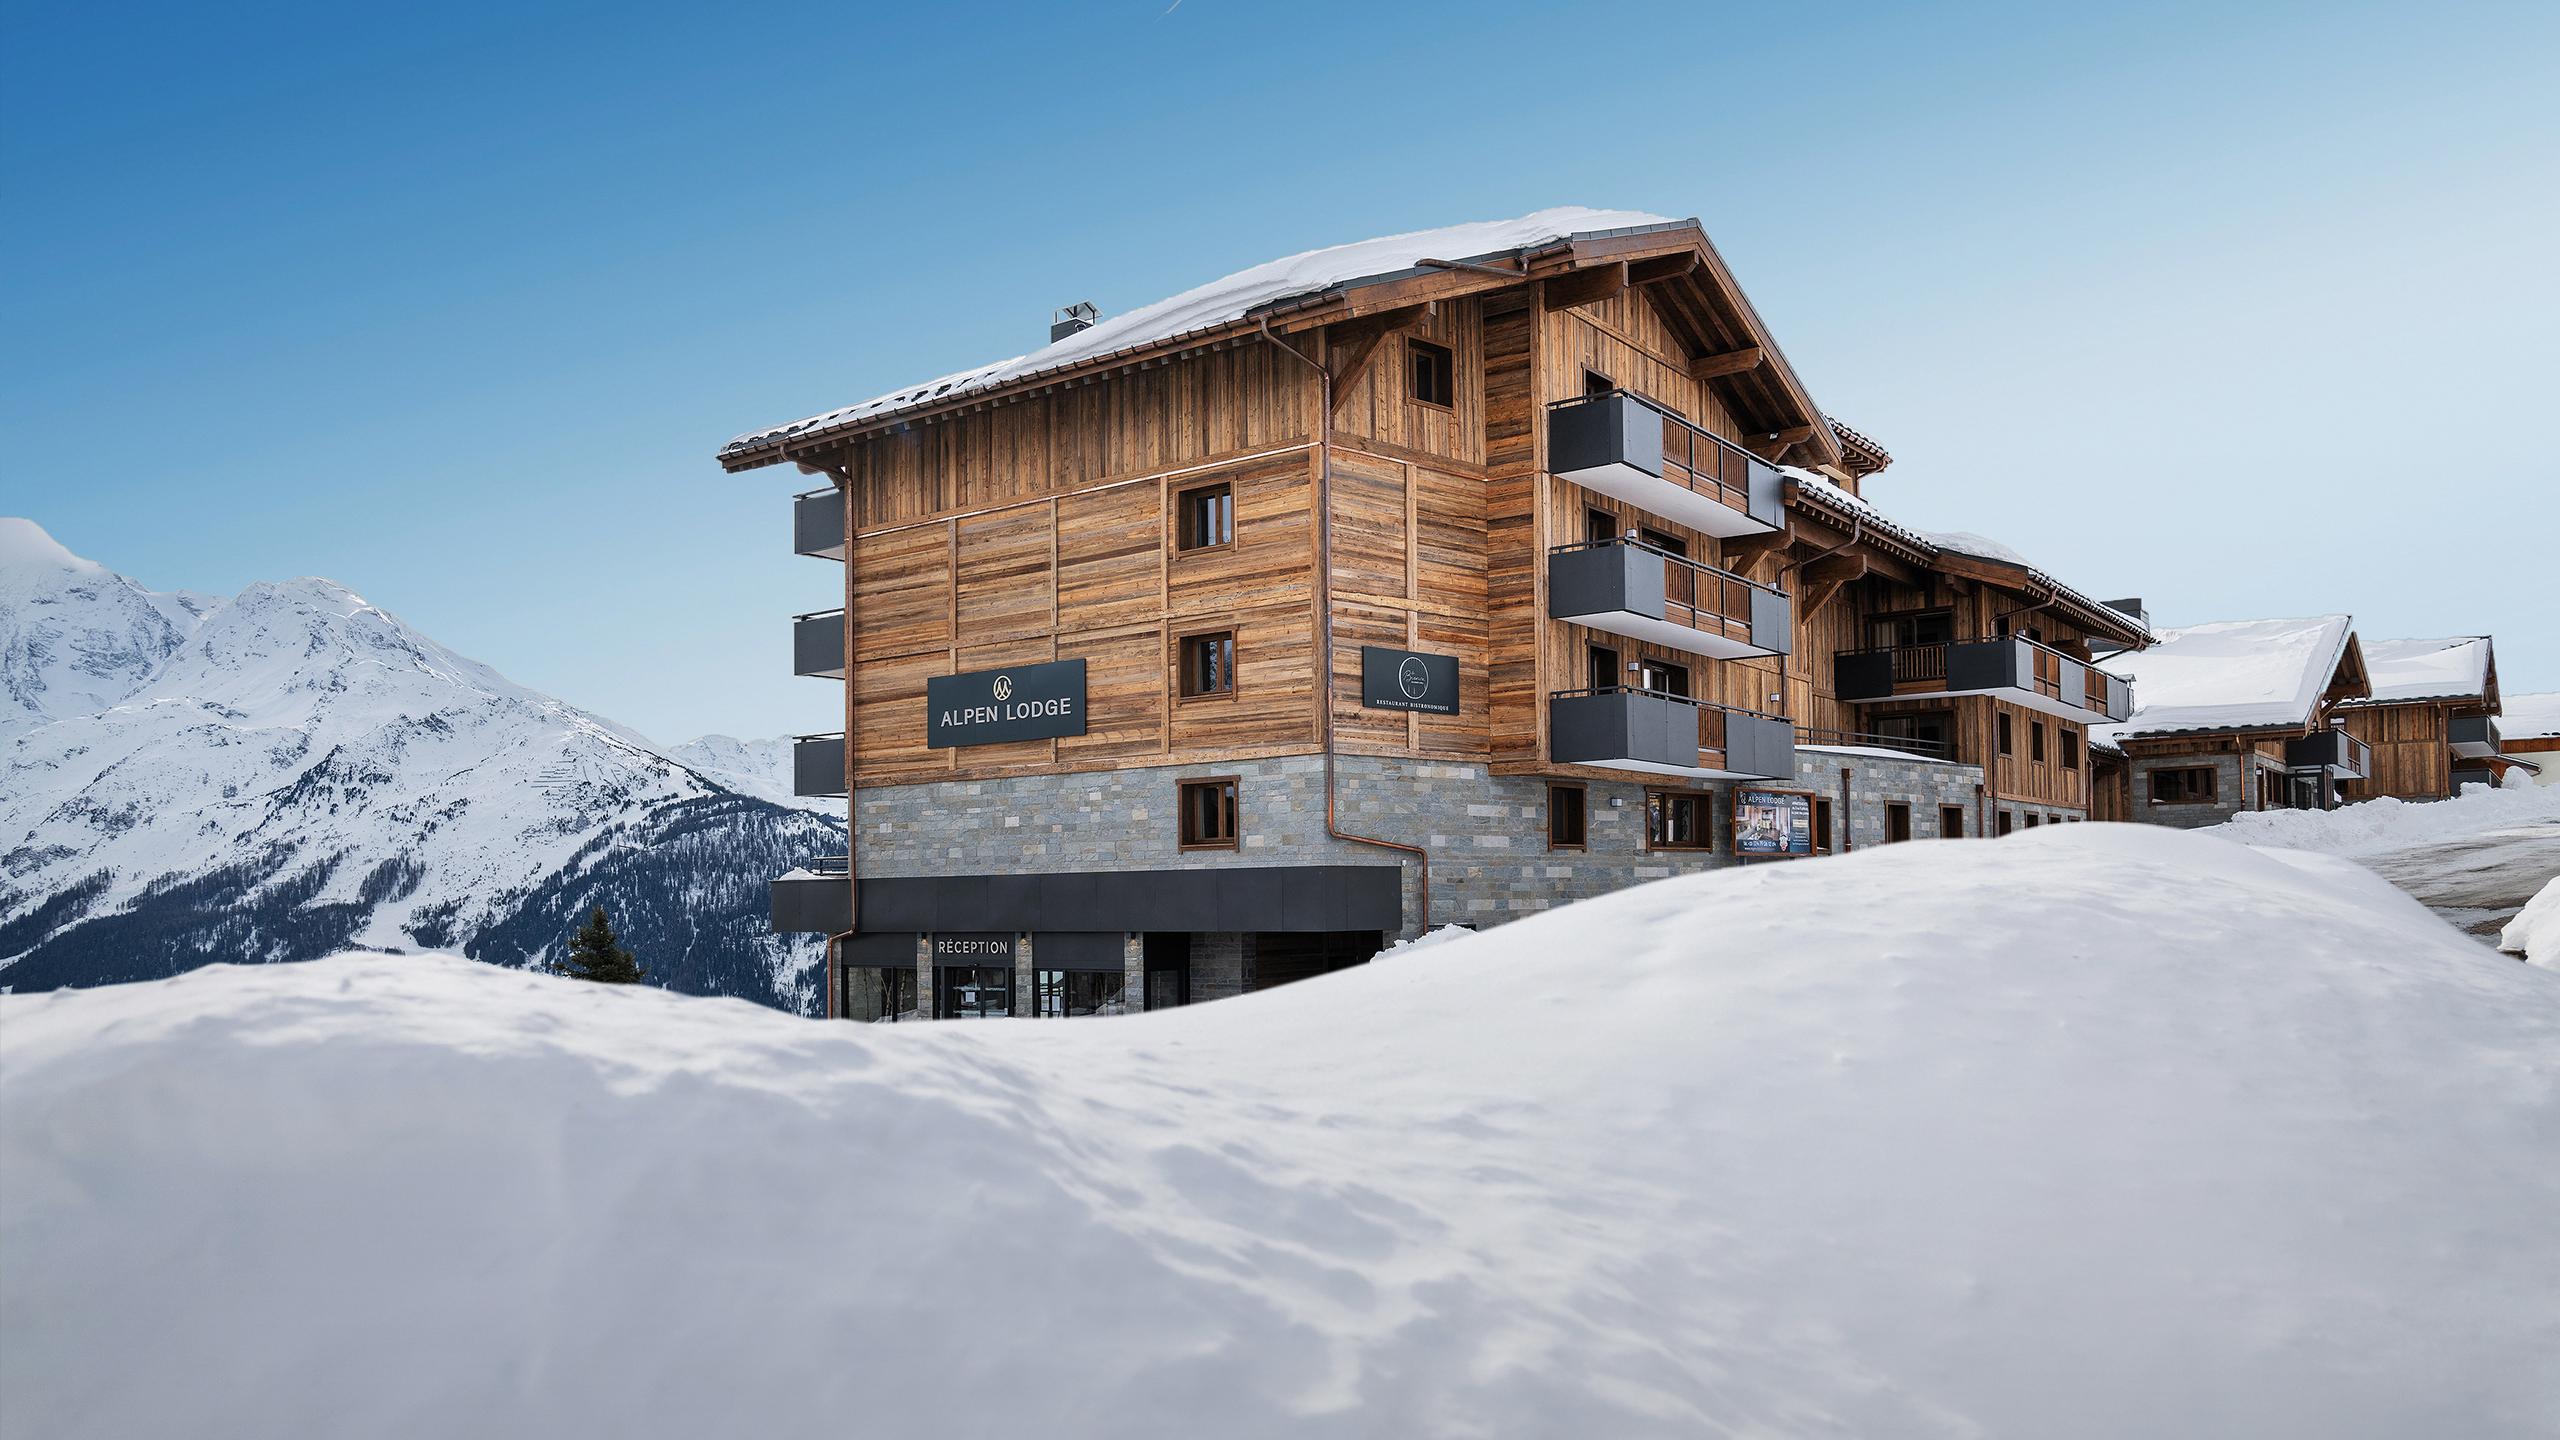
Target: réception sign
(1408,680)
(989,707)
(979,948)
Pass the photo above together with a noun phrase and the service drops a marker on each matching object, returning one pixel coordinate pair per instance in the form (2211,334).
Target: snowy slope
(761,768)
(294,771)
(2092,1131)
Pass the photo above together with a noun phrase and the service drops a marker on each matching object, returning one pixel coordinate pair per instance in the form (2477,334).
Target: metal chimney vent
(1066,322)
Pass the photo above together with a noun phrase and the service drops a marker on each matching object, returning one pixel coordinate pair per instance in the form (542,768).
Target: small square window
(1208,813)
(1567,817)
(1897,821)
(1435,373)
(2003,823)
(1677,820)
(1209,664)
(2031,819)
(1595,383)
(1950,822)
(1207,517)
(2196,786)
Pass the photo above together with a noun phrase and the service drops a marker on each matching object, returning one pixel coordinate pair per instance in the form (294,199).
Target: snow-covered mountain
(292,771)
(761,768)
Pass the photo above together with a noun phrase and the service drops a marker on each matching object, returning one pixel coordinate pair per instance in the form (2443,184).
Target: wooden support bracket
(1731,362)
(1586,286)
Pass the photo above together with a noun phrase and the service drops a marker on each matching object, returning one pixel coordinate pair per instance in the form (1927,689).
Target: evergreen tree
(596,953)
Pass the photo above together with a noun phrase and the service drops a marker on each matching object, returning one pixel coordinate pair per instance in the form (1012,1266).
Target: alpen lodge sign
(1019,702)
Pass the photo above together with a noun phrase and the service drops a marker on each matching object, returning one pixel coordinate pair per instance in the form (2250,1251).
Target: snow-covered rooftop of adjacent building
(1981,1138)
(2231,675)
(1233,297)
(2403,670)
(2529,717)
(1955,542)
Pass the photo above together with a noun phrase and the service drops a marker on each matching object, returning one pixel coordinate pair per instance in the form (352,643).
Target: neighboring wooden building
(1434,579)
(2529,736)
(2431,721)
(2235,716)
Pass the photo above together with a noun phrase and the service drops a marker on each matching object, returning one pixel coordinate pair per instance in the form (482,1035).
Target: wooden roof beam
(1360,341)
(1587,286)
(1662,267)
(1774,446)
(1731,362)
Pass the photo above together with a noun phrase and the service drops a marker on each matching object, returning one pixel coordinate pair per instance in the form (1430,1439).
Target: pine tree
(596,953)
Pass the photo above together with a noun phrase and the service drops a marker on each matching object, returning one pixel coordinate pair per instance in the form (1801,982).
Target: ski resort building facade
(2431,722)
(1431,580)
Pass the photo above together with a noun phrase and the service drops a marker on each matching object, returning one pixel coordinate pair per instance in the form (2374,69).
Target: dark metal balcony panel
(2474,737)
(1626,589)
(2003,668)
(1762,746)
(2341,754)
(1614,444)
(1623,730)
(817,524)
(817,765)
(1208,898)
(817,645)
(1863,675)
(821,905)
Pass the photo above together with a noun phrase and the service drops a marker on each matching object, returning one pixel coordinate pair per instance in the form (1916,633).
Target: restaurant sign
(989,707)
(1408,680)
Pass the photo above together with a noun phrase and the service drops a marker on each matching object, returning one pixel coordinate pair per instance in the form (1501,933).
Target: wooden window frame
(2032,821)
(2212,788)
(1822,825)
(2070,746)
(1182,812)
(1897,810)
(1950,812)
(2001,822)
(1182,518)
(2004,736)
(1706,827)
(1415,348)
(2035,742)
(1182,691)
(1591,513)
(1589,375)
(1581,810)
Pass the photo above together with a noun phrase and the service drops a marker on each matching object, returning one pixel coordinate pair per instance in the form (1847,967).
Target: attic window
(1435,374)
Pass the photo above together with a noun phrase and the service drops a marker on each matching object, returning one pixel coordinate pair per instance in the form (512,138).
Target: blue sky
(2247,310)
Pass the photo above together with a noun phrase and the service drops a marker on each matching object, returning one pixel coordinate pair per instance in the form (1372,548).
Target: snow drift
(2097,1130)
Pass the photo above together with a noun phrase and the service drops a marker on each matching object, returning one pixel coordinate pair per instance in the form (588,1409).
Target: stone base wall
(1487,833)
(2231,793)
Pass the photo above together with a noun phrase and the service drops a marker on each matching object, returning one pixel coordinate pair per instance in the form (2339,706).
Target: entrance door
(975,992)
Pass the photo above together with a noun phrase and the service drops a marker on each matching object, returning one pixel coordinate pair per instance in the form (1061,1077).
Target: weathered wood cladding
(2412,747)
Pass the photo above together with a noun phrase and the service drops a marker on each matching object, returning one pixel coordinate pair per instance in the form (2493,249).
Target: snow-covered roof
(2530,717)
(2405,670)
(2231,675)
(1950,542)
(1224,301)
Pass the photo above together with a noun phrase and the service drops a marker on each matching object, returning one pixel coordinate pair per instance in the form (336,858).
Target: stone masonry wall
(2230,795)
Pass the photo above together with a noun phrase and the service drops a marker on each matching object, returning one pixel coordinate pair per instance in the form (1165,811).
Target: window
(2004,818)
(1821,825)
(2035,741)
(1950,822)
(1168,969)
(1208,813)
(1677,820)
(1209,664)
(1663,677)
(1595,383)
(879,994)
(1435,373)
(1566,817)
(1897,821)
(1931,730)
(2070,747)
(1057,994)
(1599,526)
(2031,819)
(2005,747)
(1931,627)
(2195,785)
(1604,667)
(1207,517)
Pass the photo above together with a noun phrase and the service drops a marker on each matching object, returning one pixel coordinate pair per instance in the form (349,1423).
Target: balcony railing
(2009,667)
(1622,727)
(814,900)
(2343,755)
(1628,587)
(817,765)
(1907,744)
(1626,447)
(817,523)
(817,644)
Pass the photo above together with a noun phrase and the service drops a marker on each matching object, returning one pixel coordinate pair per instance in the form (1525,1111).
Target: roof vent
(1066,322)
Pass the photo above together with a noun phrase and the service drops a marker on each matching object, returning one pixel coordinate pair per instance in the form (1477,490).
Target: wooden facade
(1042,523)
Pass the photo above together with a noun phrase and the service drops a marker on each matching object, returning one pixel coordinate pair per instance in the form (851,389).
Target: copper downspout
(1324,598)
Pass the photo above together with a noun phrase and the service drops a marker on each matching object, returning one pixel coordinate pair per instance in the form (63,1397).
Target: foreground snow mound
(2370,827)
(2535,932)
(2097,1130)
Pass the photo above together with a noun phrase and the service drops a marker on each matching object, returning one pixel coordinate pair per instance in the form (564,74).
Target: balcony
(1620,728)
(816,898)
(2344,756)
(2011,667)
(1628,448)
(2474,737)
(817,765)
(1629,588)
(817,524)
(817,644)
